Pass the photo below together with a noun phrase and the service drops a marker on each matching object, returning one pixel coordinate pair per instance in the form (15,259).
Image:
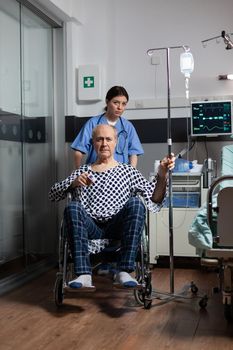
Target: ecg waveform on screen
(216,128)
(211,118)
(210,125)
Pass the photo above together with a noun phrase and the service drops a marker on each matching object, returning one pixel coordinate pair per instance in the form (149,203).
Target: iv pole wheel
(194,288)
(228,312)
(203,302)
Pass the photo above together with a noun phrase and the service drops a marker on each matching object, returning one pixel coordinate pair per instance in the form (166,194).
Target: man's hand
(166,164)
(84,179)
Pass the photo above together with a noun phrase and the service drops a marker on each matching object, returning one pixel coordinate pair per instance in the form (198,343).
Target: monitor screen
(211,118)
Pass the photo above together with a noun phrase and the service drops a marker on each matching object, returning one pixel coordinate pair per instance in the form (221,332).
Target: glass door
(27,169)
(37,121)
(11,191)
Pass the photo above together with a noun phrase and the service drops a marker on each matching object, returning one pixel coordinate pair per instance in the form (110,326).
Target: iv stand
(169,143)
(192,286)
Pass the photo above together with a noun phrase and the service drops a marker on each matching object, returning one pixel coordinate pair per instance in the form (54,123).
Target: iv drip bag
(186,63)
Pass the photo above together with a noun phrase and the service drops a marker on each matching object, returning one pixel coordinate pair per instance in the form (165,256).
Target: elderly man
(105,204)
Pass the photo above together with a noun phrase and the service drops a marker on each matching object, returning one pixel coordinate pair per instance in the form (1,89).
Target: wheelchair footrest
(120,286)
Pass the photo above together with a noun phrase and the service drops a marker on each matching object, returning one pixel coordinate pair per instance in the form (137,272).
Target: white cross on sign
(88,82)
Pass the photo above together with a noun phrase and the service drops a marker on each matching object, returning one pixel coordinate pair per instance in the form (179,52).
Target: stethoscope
(122,137)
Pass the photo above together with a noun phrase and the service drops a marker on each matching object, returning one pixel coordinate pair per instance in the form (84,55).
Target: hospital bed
(222,227)
(211,231)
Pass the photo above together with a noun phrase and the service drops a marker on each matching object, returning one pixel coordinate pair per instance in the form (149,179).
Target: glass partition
(27,222)
(37,117)
(11,191)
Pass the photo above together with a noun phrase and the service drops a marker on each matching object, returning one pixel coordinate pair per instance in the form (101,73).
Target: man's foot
(81,282)
(125,280)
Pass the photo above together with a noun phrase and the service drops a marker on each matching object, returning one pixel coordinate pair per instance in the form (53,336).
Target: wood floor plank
(110,320)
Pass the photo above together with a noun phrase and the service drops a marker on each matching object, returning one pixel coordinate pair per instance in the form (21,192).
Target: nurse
(128,147)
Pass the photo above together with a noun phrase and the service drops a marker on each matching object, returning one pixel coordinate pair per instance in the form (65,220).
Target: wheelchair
(142,293)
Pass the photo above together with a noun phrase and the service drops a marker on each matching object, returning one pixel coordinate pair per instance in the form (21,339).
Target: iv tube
(187,88)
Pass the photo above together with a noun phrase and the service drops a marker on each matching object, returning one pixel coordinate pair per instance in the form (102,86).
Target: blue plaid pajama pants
(127,225)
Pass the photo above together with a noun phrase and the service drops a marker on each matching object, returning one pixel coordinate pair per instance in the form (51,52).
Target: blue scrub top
(128,140)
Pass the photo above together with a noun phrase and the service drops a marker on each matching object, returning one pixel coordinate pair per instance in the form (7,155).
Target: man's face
(104,141)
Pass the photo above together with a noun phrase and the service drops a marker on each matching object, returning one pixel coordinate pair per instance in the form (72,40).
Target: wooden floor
(108,319)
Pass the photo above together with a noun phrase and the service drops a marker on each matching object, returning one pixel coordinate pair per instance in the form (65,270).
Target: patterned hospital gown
(109,192)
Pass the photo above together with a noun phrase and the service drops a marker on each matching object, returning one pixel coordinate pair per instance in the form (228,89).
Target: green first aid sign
(89,82)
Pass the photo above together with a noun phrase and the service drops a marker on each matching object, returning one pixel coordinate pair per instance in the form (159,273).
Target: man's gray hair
(96,128)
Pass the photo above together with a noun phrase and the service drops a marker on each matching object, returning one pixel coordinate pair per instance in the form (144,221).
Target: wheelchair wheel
(143,295)
(139,296)
(58,290)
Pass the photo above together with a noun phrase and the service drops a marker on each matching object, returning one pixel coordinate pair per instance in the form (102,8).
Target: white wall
(92,43)
(116,35)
